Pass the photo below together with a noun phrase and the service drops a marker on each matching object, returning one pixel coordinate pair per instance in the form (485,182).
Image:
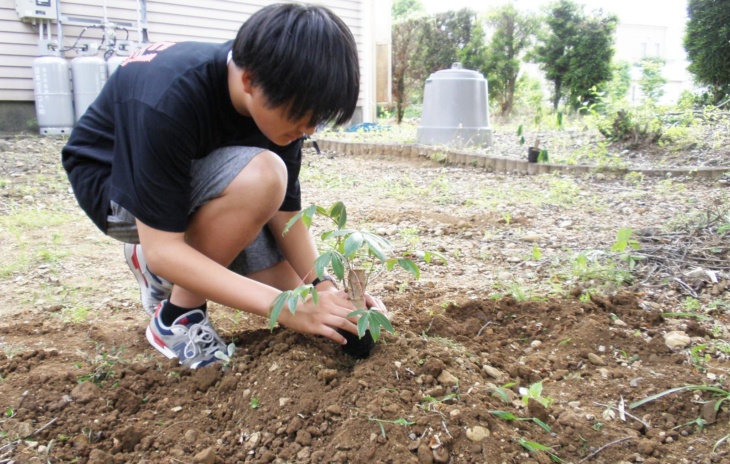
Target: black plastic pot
(358,348)
(533,154)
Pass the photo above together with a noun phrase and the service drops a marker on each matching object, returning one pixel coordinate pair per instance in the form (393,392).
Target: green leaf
(362,324)
(293,300)
(508,416)
(381,320)
(338,212)
(315,296)
(410,266)
(352,244)
(321,263)
(305,215)
(374,328)
(429,255)
(541,424)
(519,130)
(402,421)
(276,308)
(502,393)
(678,389)
(338,266)
(374,247)
(533,445)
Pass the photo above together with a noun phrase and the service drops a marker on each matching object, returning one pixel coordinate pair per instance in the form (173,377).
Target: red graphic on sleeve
(148,53)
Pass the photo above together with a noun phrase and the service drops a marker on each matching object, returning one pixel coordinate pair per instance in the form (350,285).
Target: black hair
(304,57)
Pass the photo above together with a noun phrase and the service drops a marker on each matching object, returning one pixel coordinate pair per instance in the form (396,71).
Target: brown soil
(79,383)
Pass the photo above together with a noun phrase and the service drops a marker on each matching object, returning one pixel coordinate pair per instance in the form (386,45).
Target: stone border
(502,163)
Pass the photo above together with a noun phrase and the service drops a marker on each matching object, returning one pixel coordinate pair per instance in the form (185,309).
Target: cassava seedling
(355,256)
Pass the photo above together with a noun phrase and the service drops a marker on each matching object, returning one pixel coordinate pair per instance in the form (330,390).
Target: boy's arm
(298,247)
(169,256)
(301,252)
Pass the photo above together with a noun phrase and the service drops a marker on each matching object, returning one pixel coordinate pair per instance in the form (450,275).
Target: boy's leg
(231,221)
(236,190)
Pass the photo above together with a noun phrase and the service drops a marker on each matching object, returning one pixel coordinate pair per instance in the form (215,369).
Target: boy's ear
(247,82)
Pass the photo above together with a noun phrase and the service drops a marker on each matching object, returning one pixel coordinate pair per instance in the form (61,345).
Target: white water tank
(455,109)
(89,75)
(113,63)
(53,98)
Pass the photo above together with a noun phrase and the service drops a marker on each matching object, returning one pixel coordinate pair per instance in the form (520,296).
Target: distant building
(634,42)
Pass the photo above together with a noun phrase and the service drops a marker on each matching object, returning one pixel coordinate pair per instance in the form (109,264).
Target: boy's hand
(323,318)
(376,303)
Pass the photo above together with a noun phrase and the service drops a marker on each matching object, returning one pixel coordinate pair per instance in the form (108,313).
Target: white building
(23,28)
(635,42)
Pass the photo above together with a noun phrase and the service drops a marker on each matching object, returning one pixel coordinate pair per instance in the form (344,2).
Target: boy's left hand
(375,303)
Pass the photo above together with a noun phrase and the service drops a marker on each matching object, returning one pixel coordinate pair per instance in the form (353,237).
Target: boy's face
(273,122)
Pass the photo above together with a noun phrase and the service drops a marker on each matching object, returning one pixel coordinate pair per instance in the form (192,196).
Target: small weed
(722,396)
(508,416)
(698,360)
(76,314)
(254,403)
(624,243)
(535,392)
(380,423)
(501,392)
(536,253)
(103,367)
(226,357)
(634,178)
(534,447)
(691,304)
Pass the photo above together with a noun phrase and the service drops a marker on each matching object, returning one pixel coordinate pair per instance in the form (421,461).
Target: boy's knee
(271,171)
(264,180)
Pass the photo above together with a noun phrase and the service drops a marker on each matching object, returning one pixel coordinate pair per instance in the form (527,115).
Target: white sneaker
(153,289)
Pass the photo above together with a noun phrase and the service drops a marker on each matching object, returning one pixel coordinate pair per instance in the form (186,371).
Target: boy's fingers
(333,335)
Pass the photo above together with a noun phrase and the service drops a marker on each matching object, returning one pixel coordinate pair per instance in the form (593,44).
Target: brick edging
(504,164)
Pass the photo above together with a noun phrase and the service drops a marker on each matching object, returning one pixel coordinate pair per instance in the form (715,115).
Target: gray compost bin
(455,109)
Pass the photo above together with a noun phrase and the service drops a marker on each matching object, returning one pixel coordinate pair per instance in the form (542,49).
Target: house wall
(166,20)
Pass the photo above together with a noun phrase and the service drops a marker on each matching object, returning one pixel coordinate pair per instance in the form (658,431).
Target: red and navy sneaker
(153,289)
(190,338)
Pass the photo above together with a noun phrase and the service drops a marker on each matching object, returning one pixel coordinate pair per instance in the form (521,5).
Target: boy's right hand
(323,318)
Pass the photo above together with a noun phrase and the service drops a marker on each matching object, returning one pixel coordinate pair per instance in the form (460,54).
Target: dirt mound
(446,388)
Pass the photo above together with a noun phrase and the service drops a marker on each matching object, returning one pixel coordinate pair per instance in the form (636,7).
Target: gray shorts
(210,177)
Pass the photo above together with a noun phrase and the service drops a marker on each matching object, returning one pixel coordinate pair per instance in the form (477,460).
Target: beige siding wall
(173,20)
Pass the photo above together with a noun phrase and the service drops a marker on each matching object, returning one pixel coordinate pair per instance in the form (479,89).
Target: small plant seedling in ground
(534,447)
(380,423)
(535,392)
(508,416)
(254,403)
(226,357)
(624,243)
(354,256)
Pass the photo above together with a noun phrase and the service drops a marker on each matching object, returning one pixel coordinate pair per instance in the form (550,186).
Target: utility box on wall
(455,109)
(32,10)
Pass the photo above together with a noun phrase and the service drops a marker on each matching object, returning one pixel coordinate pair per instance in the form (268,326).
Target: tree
(406,45)
(575,51)
(405,8)
(512,34)
(707,42)
(651,81)
(448,37)
(618,87)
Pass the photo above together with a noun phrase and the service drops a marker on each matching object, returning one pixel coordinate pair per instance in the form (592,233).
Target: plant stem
(357,280)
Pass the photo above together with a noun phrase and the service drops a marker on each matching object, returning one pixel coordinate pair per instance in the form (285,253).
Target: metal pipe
(59,29)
